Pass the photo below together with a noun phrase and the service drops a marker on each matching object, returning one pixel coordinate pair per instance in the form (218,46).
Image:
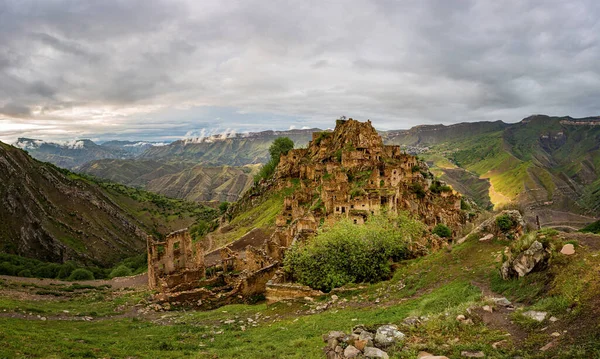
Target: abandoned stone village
(347,172)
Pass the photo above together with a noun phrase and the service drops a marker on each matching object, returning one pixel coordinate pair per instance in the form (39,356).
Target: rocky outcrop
(534,258)
(508,224)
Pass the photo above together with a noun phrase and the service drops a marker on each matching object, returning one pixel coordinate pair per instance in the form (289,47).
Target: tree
(223,207)
(281,145)
(442,230)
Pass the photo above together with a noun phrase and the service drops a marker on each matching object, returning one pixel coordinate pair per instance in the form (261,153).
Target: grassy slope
(291,332)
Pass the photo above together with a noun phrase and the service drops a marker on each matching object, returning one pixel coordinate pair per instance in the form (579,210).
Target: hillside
(184,180)
(547,165)
(54,215)
(448,303)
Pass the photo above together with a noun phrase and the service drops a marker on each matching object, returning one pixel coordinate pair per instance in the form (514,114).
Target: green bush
(223,207)
(442,230)
(81,274)
(349,253)
(504,222)
(592,228)
(418,189)
(120,271)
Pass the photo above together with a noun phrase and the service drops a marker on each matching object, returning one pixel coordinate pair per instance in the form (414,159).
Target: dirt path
(499,319)
(138,281)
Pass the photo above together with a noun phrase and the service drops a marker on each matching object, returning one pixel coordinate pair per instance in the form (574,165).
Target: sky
(162,70)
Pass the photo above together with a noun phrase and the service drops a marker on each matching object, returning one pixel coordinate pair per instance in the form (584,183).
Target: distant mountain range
(72,154)
(549,165)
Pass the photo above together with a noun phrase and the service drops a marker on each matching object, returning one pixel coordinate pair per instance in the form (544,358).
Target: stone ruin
(348,172)
(177,271)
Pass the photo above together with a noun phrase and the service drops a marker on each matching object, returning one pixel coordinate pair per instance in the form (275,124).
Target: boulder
(387,335)
(376,353)
(535,257)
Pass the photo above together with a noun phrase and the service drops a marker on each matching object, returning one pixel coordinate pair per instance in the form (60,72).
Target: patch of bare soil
(589,240)
(255,238)
(499,318)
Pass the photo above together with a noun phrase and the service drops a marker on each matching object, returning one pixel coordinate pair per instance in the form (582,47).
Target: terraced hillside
(174,179)
(550,166)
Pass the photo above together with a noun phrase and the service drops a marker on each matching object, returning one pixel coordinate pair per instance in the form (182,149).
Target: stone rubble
(362,342)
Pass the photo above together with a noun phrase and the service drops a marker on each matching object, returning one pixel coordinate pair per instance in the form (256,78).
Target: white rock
(388,334)
(487,308)
(460,317)
(486,238)
(334,298)
(537,316)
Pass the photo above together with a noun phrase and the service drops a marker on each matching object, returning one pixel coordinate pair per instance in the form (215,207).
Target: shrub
(347,253)
(504,222)
(223,207)
(442,230)
(120,271)
(81,274)
(25,273)
(417,189)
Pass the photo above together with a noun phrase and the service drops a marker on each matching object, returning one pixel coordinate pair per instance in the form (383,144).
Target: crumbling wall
(174,261)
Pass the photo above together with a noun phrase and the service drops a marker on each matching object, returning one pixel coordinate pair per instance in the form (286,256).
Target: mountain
(174,179)
(72,154)
(233,150)
(549,166)
(54,215)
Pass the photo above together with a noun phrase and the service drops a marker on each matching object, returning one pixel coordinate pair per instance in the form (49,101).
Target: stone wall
(174,261)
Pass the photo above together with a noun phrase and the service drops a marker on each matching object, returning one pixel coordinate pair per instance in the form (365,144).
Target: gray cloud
(118,68)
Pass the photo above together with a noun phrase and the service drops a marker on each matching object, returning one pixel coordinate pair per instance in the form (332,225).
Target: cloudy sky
(158,70)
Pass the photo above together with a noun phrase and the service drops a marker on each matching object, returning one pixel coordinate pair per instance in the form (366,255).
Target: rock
(555,334)
(334,298)
(501,301)
(332,343)
(568,249)
(487,308)
(333,335)
(468,322)
(426,355)
(371,352)
(351,352)
(553,319)
(230,321)
(472,354)
(537,316)
(548,346)
(460,317)
(411,321)
(534,257)
(486,238)
(388,334)
(360,344)
(501,343)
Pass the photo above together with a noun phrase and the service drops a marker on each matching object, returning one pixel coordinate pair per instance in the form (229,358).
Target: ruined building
(347,172)
(350,173)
